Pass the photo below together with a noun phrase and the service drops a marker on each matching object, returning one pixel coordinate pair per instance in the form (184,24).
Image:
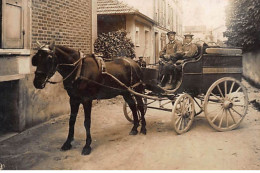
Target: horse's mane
(66,49)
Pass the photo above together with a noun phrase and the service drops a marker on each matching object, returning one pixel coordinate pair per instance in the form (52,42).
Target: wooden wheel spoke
(225,85)
(222,117)
(179,114)
(215,96)
(177,121)
(180,123)
(226,118)
(239,105)
(232,116)
(184,124)
(238,89)
(237,112)
(231,88)
(220,91)
(214,110)
(186,103)
(214,119)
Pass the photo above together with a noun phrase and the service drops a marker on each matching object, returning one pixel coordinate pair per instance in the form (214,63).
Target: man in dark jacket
(168,57)
(189,48)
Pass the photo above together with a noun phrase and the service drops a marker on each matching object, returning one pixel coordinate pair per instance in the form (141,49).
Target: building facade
(146,22)
(23,22)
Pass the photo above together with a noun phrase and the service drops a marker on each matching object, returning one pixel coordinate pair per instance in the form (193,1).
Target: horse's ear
(38,44)
(51,46)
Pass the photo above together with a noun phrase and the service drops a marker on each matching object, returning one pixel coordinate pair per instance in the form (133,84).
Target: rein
(76,64)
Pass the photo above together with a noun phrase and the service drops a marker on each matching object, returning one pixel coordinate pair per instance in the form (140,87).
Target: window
(12,24)
(147,46)
(137,37)
(163,40)
(146,40)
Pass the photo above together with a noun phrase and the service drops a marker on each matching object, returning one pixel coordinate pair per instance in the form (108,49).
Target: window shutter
(12,26)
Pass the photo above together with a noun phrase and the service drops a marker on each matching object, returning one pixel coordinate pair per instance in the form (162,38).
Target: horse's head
(46,62)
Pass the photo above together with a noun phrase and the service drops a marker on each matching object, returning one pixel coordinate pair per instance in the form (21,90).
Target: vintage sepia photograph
(130,85)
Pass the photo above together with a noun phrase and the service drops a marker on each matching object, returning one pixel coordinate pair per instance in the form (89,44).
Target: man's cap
(188,34)
(171,32)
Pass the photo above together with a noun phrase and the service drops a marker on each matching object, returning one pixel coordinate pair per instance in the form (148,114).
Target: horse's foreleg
(132,105)
(140,106)
(87,123)
(74,107)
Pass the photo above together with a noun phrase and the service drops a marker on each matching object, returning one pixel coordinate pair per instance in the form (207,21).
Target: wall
(251,64)
(68,22)
(37,106)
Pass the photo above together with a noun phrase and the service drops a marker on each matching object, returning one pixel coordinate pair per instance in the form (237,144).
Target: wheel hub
(227,104)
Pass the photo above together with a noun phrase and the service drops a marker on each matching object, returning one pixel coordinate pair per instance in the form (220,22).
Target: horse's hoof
(66,147)
(143,131)
(133,132)
(86,151)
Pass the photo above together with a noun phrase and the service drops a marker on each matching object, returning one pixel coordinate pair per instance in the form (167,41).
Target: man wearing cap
(168,56)
(141,62)
(189,49)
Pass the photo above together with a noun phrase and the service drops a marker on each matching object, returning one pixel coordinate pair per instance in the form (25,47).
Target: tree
(243,24)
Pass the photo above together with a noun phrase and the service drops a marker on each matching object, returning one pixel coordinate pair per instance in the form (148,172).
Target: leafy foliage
(114,44)
(243,24)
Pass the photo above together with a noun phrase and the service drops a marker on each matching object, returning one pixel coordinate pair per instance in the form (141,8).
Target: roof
(114,7)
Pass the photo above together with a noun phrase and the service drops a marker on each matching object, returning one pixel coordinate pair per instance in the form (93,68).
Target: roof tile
(114,7)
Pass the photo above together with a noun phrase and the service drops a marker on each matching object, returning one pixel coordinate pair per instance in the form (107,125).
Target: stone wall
(251,65)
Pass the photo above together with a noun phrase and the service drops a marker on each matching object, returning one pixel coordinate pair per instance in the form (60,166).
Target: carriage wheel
(226,104)
(128,113)
(183,113)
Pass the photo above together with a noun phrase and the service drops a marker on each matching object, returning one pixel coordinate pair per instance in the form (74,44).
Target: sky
(204,12)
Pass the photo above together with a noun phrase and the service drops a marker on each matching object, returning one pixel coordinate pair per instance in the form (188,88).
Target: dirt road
(200,148)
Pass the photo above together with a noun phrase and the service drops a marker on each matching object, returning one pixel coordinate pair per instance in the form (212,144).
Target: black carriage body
(211,65)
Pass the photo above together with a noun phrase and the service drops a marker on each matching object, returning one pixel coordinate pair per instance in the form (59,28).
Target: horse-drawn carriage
(212,81)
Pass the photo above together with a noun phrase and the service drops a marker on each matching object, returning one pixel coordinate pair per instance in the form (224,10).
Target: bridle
(52,55)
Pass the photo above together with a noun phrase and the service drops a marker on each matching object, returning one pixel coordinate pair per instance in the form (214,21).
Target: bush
(114,44)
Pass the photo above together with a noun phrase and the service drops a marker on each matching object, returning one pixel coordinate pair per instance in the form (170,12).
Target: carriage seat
(194,58)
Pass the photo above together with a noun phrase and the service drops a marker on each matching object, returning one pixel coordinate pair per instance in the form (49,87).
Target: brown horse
(91,84)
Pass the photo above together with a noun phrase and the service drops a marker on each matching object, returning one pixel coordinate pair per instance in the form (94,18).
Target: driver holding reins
(168,57)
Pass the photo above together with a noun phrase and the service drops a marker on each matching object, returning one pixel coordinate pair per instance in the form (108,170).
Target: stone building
(23,22)
(146,22)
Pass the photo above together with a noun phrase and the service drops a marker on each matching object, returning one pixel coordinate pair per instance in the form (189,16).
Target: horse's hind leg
(74,108)
(87,110)
(140,106)
(132,105)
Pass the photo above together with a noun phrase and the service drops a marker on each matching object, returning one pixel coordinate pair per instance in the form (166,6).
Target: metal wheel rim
(183,113)
(231,104)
